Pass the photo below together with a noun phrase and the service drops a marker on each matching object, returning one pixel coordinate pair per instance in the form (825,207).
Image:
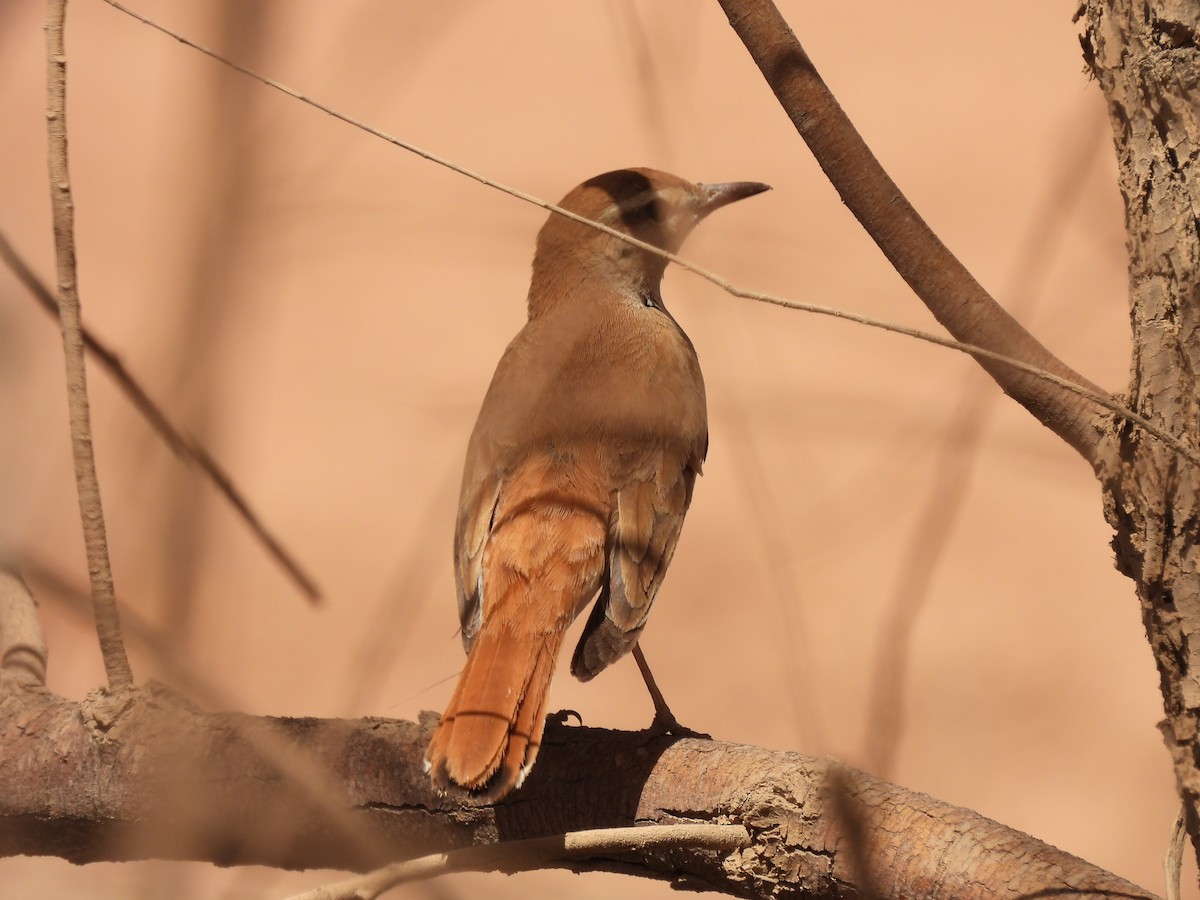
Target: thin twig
(387,630)
(631,31)
(535,853)
(182,445)
(1078,385)
(930,535)
(774,542)
(1189,453)
(108,622)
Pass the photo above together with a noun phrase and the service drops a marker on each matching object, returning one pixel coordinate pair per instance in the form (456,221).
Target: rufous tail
(489,735)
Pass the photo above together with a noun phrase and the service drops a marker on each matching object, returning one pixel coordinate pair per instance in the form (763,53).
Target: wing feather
(648,519)
(476,514)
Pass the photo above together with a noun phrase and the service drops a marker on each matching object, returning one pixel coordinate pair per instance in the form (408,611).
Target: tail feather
(491,731)
(544,558)
(525,738)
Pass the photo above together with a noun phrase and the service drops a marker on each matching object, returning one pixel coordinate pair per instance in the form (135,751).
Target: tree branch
(163,779)
(535,853)
(108,623)
(182,445)
(938,517)
(942,282)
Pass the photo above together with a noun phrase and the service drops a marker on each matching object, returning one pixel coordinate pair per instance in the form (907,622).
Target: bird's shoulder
(587,372)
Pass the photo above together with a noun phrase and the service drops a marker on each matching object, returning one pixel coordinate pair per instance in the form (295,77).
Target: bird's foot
(665,723)
(664,720)
(561,717)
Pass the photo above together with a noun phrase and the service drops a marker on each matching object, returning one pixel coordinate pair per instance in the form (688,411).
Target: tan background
(326,310)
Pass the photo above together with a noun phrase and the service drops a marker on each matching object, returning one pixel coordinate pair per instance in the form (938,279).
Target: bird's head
(655,207)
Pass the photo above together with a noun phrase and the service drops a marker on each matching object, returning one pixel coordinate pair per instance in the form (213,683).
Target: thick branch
(108,624)
(945,286)
(163,779)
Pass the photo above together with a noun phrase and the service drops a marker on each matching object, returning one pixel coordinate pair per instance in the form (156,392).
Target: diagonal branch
(939,514)
(108,623)
(942,282)
(182,445)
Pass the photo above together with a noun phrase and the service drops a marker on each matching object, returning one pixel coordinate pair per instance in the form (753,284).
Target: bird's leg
(664,720)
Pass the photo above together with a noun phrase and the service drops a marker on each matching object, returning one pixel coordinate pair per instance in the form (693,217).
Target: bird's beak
(714,196)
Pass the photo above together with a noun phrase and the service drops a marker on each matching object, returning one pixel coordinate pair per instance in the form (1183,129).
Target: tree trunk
(1144,54)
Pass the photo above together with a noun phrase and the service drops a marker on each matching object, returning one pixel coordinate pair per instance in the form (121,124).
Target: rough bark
(159,778)
(1144,55)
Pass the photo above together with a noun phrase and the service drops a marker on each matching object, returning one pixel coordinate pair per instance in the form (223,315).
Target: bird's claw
(561,717)
(667,724)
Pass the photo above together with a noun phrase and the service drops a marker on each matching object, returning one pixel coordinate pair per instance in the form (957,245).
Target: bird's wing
(493,452)
(649,517)
(476,513)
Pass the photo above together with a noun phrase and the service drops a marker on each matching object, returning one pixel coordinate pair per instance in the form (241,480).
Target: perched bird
(578,473)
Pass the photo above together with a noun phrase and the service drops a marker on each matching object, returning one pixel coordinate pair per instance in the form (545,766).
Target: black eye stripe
(643,212)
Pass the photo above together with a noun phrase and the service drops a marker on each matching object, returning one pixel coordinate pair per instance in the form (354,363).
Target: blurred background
(885,561)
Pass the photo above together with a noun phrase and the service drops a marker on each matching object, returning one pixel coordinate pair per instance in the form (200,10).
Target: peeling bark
(1144,55)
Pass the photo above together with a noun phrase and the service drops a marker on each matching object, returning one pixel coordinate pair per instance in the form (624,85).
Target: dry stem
(182,445)
(108,623)
(532,854)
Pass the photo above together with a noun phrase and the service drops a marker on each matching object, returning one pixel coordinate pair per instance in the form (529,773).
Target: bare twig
(387,630)
(631,32)
(182,445)
(942,282)
(108,623)
(928,539)
(773,541)
(205,302)
(930,535)
(534,853)
(22,642)
(1069,381)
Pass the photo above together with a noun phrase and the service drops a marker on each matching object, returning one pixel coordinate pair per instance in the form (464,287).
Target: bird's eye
(641,213)
(648,300)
